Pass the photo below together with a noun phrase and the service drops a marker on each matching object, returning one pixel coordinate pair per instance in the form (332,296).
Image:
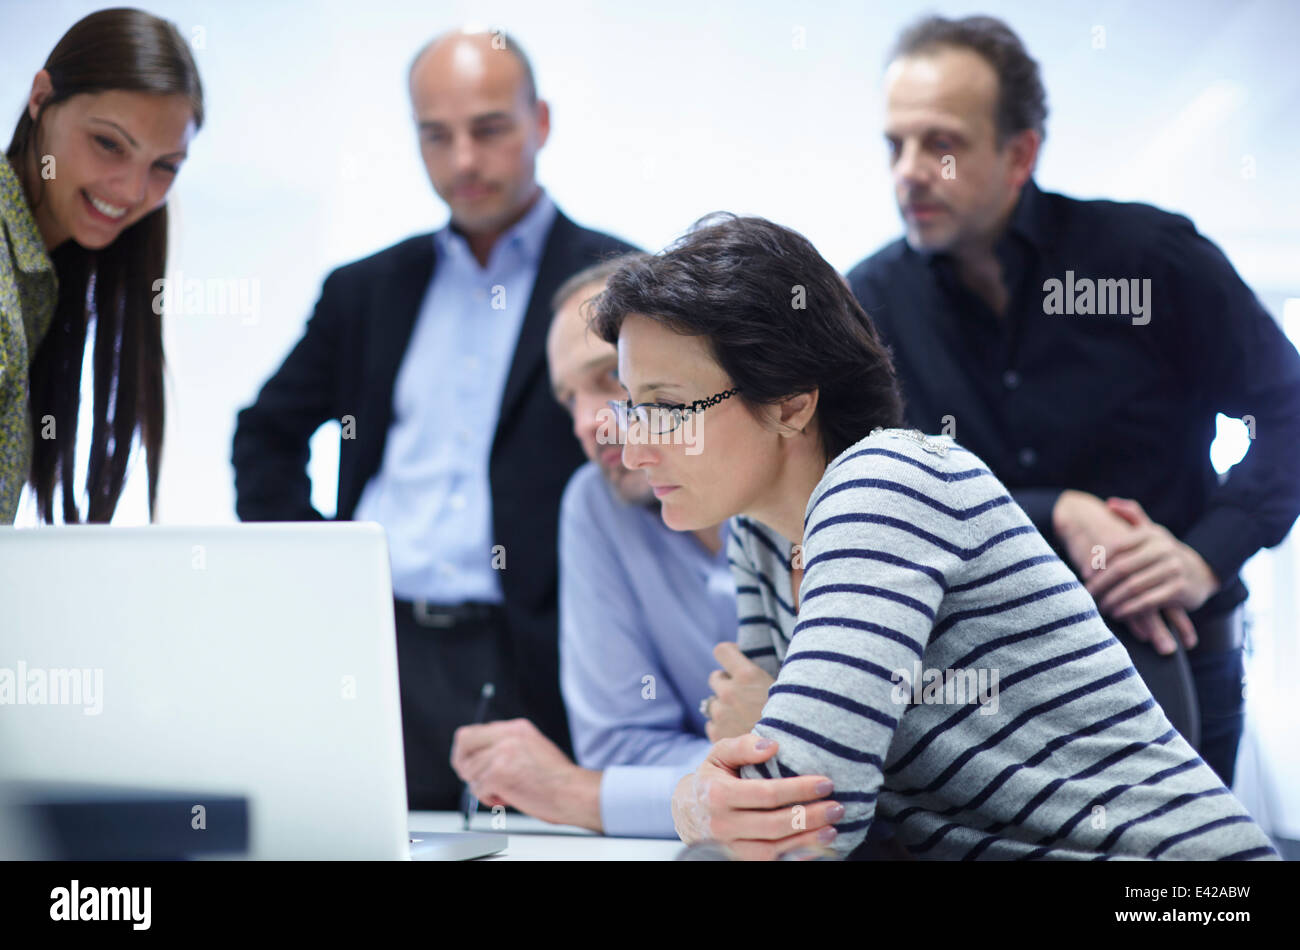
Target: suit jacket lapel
(555,266)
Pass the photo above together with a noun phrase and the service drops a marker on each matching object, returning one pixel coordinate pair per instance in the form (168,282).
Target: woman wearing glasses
(936,664)
(101,138)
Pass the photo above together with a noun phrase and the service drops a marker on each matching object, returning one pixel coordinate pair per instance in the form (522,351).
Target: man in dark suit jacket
(411,349)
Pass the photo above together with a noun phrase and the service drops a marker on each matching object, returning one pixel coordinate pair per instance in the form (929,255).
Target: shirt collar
(24,236)
(1028,222)
(528,234)
(724,532)
(707,563)
(1029,218)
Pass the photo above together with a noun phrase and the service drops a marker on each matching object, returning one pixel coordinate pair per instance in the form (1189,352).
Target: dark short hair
(508,44)
(1022,101)
(595,274)
(739,282)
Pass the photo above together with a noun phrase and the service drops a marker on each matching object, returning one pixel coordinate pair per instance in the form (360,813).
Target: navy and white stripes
(915,557)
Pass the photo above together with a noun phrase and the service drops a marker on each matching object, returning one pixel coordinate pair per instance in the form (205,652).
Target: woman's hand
(756,819)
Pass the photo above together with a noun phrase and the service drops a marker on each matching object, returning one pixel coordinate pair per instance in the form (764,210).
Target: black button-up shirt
(1058,394)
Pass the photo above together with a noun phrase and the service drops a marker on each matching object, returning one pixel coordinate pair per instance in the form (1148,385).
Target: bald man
(430,354)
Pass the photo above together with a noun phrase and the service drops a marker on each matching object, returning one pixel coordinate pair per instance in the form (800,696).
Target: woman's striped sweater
(918,563)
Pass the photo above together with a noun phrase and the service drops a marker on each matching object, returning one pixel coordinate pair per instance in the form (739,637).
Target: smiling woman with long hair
(106,125)
(934,659)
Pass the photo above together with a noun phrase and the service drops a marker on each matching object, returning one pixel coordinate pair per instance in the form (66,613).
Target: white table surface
(535,840)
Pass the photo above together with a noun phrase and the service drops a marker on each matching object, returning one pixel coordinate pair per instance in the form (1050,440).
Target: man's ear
(796,412)
(1023,149)
(543,122)
(42,89)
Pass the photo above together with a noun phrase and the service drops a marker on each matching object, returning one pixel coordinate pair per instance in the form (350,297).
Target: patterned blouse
(28,290)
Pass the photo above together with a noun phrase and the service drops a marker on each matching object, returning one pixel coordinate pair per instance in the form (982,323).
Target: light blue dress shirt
(431,494)
(641,609)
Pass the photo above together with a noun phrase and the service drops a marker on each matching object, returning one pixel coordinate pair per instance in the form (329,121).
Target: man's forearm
(578,803)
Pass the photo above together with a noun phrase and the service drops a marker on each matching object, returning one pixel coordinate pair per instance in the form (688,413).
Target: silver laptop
(252,659)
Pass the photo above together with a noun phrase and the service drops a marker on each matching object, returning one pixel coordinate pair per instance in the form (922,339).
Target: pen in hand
(468,799)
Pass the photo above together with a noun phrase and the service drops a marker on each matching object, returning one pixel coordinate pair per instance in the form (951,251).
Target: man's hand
(512,763)
(1157,571)
(1093,533)
(755,818)
(739,693)
(1099,537)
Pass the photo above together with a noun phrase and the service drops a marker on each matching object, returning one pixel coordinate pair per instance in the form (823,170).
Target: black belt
(445,616)
(1224,632)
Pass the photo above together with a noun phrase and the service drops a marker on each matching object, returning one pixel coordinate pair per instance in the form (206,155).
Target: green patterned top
(28,291)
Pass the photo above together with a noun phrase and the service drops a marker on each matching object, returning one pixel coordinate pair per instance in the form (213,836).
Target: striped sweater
(951,676)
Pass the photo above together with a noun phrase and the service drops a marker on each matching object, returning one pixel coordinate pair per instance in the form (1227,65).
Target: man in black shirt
(1083,349)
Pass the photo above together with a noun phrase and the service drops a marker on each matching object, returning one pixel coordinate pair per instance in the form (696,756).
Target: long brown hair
(134,51)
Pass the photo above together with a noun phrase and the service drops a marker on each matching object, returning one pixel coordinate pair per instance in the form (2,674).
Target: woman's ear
(796,412)
(42,89)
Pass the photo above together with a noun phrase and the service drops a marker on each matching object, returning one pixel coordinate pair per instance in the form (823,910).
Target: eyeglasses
(659,418)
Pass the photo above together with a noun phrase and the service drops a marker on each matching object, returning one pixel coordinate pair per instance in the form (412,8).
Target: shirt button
(463,435)
(446,569)
(1028,457)
(457,502)
(471,363)
(1011,379)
